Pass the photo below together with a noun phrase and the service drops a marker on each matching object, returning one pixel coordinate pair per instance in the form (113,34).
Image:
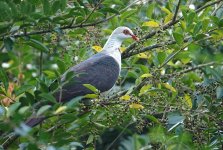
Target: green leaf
(27,7)
(197,28)
(220,24)
(90,139)
(63,4)
(152,118)
(56,6)
(14,28)
(12,108)
(161,57)
(60,109)
(54,86)
(70,75)
(167,11)
(168,86)
(23,89)
(43,109)
(4,25)
(190,18)
(46,6)
(48,97)
(151,24)
(219,92)
(91,87)
(108,9)
(4,79)
(150,10)
(91,96)
(178,37)
(128,13)
(8,42)
(61,66)
(5,12)
(99,125)
(76,144)
(24,109)
(174,119)
(50,74)
(144,89)
(146,75)
(38,45)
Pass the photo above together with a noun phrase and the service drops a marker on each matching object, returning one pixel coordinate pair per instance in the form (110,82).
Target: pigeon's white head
(124,33)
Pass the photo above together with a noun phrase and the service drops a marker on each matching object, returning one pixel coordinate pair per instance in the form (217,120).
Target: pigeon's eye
(126,32)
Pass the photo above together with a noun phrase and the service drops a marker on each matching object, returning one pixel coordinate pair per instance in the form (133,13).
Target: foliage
(169,94)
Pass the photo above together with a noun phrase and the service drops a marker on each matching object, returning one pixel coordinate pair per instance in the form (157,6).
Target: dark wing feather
(100,71)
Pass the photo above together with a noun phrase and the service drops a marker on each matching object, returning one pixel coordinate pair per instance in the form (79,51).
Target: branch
(207,5)
(218,7)
(92,12)
(133,52)
(81,25)
(194,68)
(176,11)
(154,32)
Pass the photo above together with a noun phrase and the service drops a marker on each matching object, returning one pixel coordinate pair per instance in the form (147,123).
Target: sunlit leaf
(146,75)
(143,56)
(151,24)
(91,96)
(122,49)
(168,18)
(168,86)
(188,100)
(144,89)
(165,10)
(60,109)
(43,109)
(97,48)
(90,139)
(50,74)
(91,87)
(125,97)
(136,106)
(99,125)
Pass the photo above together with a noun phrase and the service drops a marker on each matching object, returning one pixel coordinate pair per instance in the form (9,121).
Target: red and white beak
(134,37)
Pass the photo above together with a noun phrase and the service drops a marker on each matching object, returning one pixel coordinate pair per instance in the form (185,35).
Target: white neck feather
(111,48)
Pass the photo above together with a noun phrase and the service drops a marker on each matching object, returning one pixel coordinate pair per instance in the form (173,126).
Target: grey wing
(101,72)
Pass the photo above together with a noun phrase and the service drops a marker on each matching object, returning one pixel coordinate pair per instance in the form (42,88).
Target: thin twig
(176,11)
(195,68)
(86,19)
(207,5)
(110,145)
(81,25)
(128,52)
(218,7)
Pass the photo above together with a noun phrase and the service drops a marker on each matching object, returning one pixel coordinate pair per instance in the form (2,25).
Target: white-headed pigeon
(101,70)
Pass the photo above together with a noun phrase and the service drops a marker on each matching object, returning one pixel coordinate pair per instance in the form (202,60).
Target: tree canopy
(169,93)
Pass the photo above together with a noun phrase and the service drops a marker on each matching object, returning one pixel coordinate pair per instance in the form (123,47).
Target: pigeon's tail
(33,121)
